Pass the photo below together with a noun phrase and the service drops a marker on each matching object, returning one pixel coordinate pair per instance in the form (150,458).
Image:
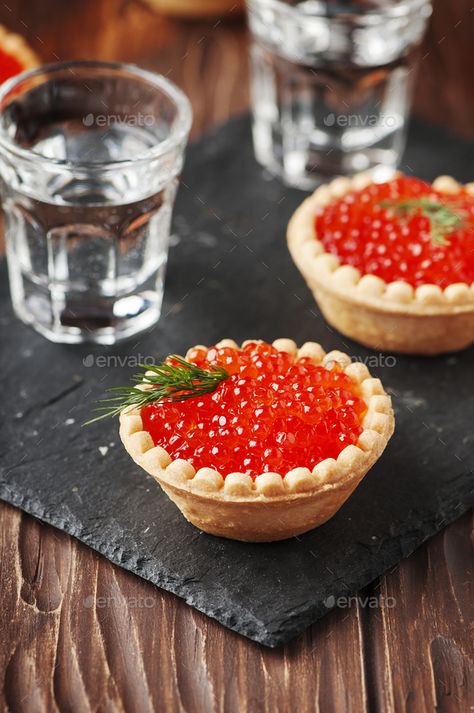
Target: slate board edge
(253,629)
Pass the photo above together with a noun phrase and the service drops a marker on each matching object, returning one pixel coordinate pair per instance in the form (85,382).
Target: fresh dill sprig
(172,380)
(444,219)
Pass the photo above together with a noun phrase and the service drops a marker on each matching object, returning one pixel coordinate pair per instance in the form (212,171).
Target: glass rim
(397,10)
(178,132)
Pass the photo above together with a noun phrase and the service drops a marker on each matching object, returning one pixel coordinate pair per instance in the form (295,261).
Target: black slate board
(230,275)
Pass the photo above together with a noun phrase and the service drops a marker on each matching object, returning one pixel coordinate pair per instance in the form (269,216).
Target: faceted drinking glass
(331,84)
(90,157)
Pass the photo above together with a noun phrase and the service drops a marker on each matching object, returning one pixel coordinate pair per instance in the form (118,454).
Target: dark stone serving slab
(230,275)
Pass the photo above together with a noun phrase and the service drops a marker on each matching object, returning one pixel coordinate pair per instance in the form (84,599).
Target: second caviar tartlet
(391,265)
(274,449)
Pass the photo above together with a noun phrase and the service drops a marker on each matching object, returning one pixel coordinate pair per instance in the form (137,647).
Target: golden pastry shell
(390,316)
(273,505)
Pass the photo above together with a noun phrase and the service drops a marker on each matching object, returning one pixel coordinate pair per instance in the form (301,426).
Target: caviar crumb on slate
(272,415)
(377,239)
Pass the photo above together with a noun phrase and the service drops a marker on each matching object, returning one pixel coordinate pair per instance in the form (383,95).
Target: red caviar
(272,415)
(369,236)
(9,66)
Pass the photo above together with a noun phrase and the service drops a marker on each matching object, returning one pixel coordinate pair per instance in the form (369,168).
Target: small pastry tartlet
(15,55)
(391,265)
(272,452)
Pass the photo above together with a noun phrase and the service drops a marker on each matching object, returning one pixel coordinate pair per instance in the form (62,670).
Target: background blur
(201,45)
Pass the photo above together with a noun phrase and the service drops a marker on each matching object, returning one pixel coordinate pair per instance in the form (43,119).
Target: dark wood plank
(444,88)
(421,649)
(80,634)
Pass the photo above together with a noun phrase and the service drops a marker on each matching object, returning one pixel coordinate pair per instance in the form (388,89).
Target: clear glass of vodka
(331,84)
(90,157)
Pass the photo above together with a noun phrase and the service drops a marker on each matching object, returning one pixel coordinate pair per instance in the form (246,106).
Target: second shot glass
(332,84)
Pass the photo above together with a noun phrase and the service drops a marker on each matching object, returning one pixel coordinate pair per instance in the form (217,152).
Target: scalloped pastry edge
(349,468)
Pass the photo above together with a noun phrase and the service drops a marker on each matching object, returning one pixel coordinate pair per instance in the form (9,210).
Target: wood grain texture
(208,59)
(78,634)
(444,92)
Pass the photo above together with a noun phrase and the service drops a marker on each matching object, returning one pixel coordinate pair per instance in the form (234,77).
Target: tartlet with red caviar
(256,443)
(391,264)
(15,55)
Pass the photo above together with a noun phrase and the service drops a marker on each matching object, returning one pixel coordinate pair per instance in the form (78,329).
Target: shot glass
(90,158)
(331,84)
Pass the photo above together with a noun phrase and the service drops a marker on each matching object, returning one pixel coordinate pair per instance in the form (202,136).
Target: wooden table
(63,649)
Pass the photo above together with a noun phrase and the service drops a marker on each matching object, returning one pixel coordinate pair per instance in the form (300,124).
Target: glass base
(125,328)
(92,302)
(307,168)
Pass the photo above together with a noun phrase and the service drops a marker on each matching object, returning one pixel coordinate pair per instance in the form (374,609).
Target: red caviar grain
(281,416)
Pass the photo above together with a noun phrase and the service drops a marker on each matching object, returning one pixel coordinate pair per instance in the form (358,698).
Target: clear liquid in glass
(90,158)
(331,85)
(87,254)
